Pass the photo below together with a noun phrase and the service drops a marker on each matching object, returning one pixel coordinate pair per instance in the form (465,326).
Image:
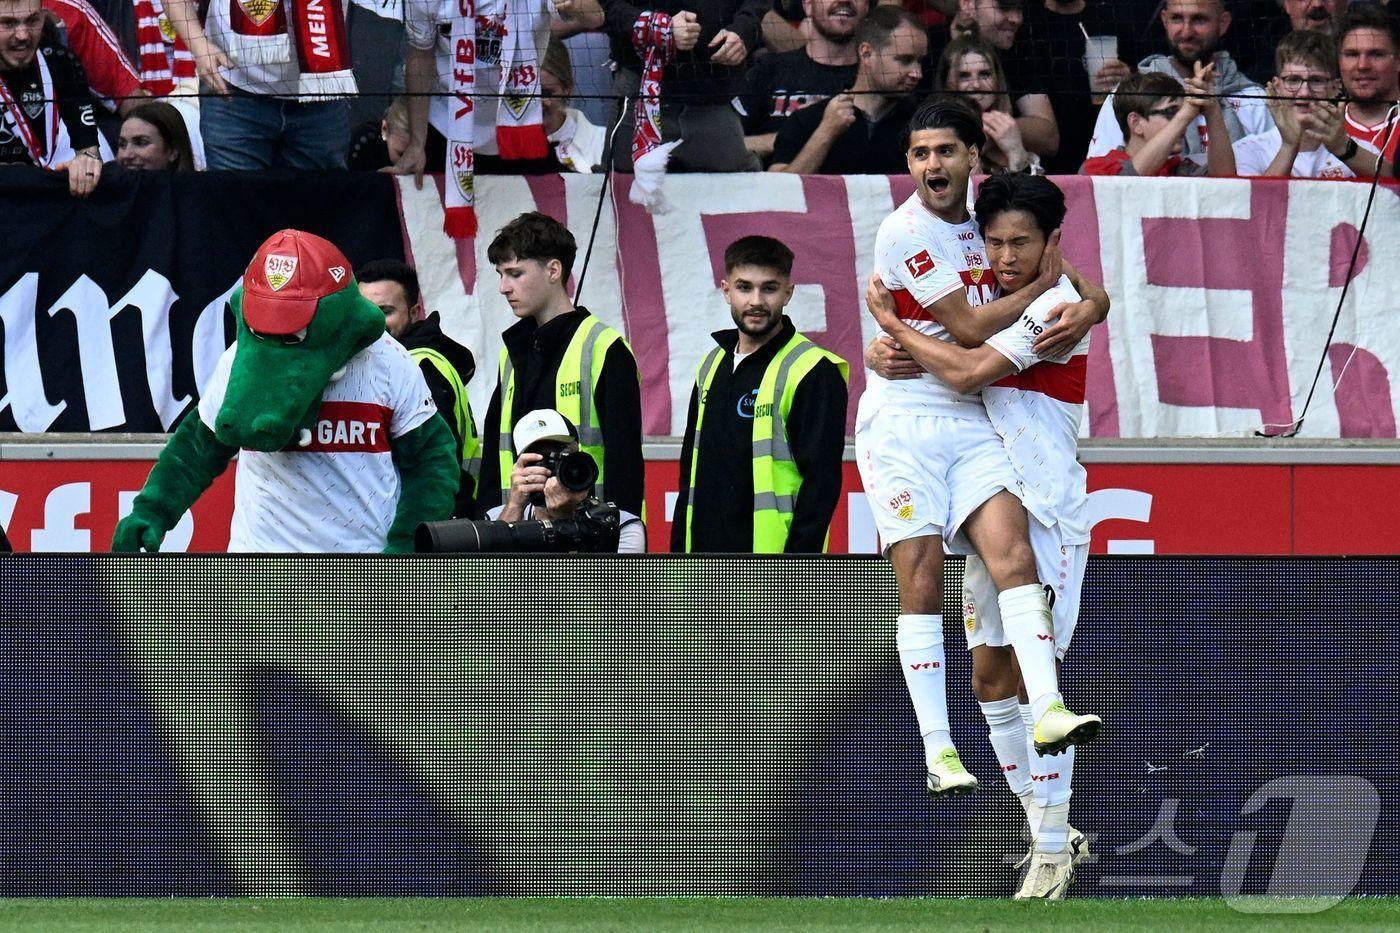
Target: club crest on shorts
(279,270)
(902,505)
(969,615)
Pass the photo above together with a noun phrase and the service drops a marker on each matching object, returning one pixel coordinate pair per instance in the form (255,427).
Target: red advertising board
(1138,508)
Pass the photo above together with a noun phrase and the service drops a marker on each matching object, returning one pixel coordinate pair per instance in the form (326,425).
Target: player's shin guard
(920,641)
(1025,616)
(1008,737)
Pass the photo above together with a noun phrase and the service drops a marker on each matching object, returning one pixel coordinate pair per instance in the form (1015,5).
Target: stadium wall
(1224,290)
(1195,497)
(613,726)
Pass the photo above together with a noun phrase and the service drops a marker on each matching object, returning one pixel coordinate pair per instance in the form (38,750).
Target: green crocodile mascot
(340,445)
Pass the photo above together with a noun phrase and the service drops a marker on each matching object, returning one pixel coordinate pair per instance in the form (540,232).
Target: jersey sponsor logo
(748,405)
(349,427)
(279,270)
(1032,325)
(967,235)
(920,264)
(902,505)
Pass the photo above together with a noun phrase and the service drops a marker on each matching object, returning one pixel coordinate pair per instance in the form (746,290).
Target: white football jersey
(1037,413)
(922,259)
(338,494)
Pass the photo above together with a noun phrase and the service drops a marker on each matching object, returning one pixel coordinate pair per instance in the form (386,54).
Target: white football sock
(1053,774)
(920,641)
(1008,737)
(1031,803)
(1026,619)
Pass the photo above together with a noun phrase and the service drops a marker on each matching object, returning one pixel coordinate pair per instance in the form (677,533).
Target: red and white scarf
(459,210)
(656,46)
(519,116)
(259,35)
(164,61)
(17,121)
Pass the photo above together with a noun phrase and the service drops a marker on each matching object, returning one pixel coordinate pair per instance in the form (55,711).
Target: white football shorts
(1058,565)
(926,474)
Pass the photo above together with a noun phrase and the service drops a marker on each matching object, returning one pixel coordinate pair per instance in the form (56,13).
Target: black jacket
(691,77)
(816,429)
(536,353)
(428,333)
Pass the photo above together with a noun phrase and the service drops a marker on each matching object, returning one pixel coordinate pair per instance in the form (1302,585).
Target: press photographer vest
(575,388)
(461,407)
(776,479)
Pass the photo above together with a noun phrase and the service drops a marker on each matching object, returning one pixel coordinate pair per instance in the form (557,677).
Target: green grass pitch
(682,915)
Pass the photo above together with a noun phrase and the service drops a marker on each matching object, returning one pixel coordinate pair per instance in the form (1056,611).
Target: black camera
(576,471)
(593,529)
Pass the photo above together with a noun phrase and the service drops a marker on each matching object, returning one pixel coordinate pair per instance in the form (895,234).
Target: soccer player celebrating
(933,465)
(1035,403)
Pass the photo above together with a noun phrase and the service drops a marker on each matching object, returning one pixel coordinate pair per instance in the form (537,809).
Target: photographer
(536,491)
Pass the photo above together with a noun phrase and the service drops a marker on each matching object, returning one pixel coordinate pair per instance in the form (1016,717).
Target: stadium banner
(114,307)
(722,726)
(1224,290)
(50,504)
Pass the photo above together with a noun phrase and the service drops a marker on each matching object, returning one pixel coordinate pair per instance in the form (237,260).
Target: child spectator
(1154,112)
(1309,139)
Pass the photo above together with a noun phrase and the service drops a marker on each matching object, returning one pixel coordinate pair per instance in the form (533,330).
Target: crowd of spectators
(1297,87)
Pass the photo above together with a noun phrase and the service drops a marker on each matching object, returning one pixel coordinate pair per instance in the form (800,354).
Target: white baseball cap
(542,424)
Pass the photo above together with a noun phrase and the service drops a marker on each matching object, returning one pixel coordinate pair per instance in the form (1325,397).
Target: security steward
(769,397)
(447,366)
(560,357)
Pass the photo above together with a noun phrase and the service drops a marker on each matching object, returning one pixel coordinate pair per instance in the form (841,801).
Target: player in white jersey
(933,466)
(1035,402)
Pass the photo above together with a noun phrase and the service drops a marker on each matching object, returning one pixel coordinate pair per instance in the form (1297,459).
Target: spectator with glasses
(1309,138)
(1154,113)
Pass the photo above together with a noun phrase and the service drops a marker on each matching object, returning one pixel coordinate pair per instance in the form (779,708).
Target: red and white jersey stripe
(922,259)
(1037,411)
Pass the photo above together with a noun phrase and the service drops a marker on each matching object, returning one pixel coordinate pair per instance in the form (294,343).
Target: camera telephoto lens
(576,471)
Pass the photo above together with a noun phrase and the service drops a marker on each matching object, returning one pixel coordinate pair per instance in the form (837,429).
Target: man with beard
(1320,15)
(1194,30)
(768,395)
(46,111)
(1366,49)
(778,86)
(857,132)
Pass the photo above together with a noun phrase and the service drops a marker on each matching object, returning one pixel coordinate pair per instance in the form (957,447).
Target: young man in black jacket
(770,398)
(561,357)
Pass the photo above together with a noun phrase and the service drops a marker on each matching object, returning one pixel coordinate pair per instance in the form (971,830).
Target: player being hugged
(934,467)
(1035,401)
